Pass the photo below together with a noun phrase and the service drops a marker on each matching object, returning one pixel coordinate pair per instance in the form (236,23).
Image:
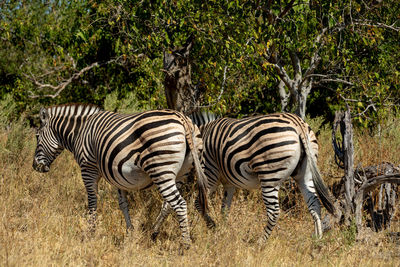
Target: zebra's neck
(203,119)
(67,121)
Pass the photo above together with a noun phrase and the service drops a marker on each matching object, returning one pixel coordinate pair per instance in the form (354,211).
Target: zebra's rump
(248,149)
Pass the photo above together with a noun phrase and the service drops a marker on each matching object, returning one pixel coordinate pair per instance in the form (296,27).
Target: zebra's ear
(44,115)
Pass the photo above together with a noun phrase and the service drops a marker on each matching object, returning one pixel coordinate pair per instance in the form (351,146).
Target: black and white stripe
(130,151)
(263,151)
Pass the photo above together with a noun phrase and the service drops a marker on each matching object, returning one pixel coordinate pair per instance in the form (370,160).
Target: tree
(247,57)
(304,43)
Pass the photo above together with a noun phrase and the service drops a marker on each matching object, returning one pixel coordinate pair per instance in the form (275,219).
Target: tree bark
(348,165)
(285,96)
(299,86)
(181,95)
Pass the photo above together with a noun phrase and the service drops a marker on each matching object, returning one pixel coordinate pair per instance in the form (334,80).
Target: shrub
(128,104)
(7,111)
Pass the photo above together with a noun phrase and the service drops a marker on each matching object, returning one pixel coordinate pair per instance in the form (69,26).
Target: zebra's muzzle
(40,167)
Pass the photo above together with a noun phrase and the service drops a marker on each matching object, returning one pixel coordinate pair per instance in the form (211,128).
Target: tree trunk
(285,96)
(181,95)
(348,149)
(298,88)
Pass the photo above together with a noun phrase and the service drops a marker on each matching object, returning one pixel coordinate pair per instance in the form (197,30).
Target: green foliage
(316,123)
(350,234)
(46,43)
(128,104)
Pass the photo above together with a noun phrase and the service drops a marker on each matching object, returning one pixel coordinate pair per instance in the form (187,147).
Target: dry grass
(43,221)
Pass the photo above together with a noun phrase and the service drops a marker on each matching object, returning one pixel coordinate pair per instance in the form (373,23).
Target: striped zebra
(130,151)
(262,151)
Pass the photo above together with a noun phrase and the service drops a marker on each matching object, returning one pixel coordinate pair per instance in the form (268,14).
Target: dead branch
(368,186)
(354,191)
(368,23)
(327,78)
(338,149)
(60,87)
(372,183)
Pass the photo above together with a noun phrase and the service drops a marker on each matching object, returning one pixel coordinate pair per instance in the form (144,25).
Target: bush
(15,132)
(19,136)
(129,104)
(7,111)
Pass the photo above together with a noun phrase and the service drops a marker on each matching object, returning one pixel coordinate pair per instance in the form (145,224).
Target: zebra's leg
(165,211)
(124,206)
(170,193)
(306,185)
(90,179)
(229,190)
(209,221)
(270,198)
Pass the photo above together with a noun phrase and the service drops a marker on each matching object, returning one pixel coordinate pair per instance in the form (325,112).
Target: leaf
(81,35)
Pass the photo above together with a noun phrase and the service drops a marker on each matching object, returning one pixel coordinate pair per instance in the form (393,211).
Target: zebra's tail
(192,131)
(201,180)
(321,188)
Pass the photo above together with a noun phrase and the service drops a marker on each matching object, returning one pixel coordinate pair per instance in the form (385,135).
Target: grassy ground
(43,219)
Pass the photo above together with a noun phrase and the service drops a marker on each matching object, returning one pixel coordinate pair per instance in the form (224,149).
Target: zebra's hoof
(154,236)
(186,245)
(129,228)
(211,225)
(261,242)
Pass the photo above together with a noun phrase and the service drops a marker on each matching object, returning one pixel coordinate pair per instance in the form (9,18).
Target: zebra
(131,151)
(262,152)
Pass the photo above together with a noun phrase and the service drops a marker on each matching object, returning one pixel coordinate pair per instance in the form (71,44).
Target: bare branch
(283,74)
(326,78)
(368,23)
(372,105)
(296,66)
(315,58)
(60,87)
(370,184)
(220,93)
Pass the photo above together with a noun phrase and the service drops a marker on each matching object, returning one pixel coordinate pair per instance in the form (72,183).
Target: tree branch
(327,79)
(286,10)
(220,93)
(368,23)
(315,58)
(297,68)
(60,87)
(283,74)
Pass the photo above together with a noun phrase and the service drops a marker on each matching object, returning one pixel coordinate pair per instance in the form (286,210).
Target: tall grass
(43,219)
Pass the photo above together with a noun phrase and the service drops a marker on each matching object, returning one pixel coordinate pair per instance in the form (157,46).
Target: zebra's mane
(76,109)
(203,117)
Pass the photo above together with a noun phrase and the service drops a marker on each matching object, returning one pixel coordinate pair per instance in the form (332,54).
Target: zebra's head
(48,146)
